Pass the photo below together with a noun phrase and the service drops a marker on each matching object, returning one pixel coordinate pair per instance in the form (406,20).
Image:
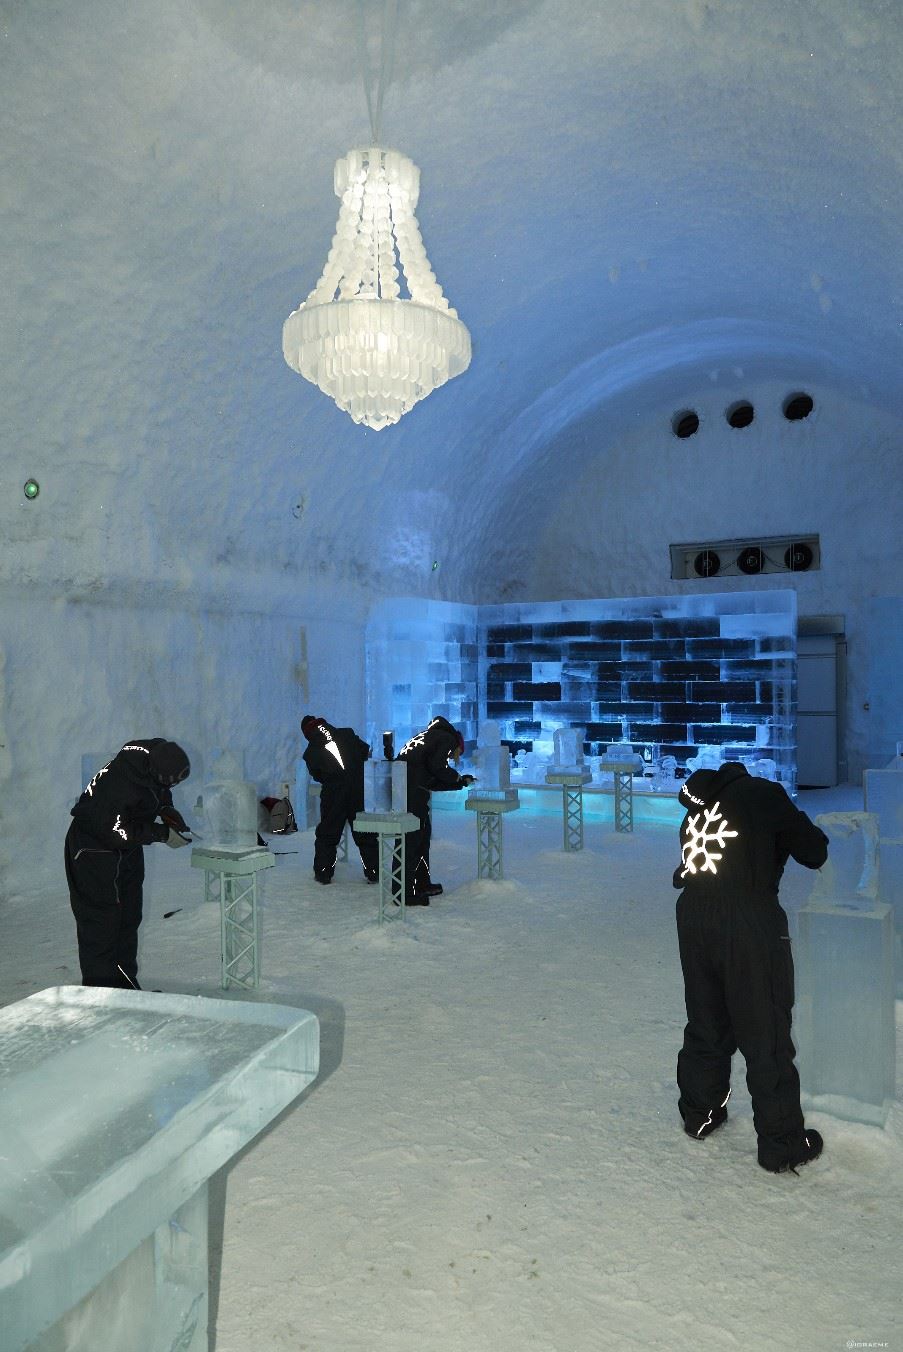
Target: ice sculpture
(850,875)
(385,785)
(103,1210)
(569,750)
(492,762)
(764,769)
(706,758)
(664,779)
(845,1010)
(230,807)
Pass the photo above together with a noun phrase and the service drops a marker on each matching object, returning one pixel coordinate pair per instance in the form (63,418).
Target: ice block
(116,1107)
(844,1019)
(884,797)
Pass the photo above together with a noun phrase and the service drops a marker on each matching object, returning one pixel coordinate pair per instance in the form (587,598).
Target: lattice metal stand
(342,851)
(571,804)
(391,827)
(489,833)
(231,879)
(623,777)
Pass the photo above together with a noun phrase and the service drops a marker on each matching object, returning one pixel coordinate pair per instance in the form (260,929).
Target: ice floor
(491,1160)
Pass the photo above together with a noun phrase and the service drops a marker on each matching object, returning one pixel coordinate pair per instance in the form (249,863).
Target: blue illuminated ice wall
(667,675)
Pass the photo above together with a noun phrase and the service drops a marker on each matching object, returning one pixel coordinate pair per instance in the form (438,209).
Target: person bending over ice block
(113,819)
(335,758)
(427,755)
(736,837)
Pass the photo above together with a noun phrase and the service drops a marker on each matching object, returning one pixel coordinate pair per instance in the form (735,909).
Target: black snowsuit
(112,820)
(426,755)
(736,837)
(335,758)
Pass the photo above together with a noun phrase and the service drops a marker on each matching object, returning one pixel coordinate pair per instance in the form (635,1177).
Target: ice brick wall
(714,671)
(668,677)
(421,662)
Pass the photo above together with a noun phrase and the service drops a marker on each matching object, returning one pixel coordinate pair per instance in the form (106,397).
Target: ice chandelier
(371,349)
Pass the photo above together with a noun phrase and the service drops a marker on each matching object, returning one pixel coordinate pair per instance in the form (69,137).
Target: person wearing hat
(427,755)
(127,805)
(335,758)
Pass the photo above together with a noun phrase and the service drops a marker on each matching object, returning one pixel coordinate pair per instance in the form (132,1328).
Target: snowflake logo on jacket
(696,851)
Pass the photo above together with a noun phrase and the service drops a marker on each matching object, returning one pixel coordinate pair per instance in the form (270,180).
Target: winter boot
(809,1149)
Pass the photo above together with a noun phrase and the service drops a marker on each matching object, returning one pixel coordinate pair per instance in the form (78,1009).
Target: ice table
(391,828)
(231,879)
(572,783)
(490,807)
(116,1108)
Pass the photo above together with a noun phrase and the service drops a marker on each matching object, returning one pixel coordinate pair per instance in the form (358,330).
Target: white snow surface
(491,1157)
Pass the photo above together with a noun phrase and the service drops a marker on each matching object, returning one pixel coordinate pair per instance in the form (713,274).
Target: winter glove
(175,840)
(467,780)
(173,817)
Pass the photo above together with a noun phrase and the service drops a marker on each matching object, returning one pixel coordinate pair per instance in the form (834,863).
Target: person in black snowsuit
(113,819)
(427,755)
(736,838)
(335,758)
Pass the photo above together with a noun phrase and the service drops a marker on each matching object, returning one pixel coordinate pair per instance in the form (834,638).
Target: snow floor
(491,1159)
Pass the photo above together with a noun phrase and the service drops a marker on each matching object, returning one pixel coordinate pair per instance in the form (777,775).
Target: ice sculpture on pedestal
(849,877)
(103,1209)
(845,1009)
(385,786)
(492,761)
(665,778)
(230,808)
(569,750)
(493,766)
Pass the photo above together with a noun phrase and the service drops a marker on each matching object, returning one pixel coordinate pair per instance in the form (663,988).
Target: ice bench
(116,1107)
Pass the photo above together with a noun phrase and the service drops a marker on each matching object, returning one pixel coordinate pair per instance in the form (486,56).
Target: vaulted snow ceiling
(620,197)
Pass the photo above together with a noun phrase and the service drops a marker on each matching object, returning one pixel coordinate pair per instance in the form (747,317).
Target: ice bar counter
(116,1108)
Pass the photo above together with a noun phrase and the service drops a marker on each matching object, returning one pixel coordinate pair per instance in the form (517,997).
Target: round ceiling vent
(797,406)
(685,423)
(740,414)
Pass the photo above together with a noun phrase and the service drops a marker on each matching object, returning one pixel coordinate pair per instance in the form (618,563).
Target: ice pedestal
(884,797)
(844,1020)
(301,800)
(116,1107)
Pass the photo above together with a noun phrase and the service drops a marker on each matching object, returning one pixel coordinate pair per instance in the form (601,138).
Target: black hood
(169,764)
(705,787)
